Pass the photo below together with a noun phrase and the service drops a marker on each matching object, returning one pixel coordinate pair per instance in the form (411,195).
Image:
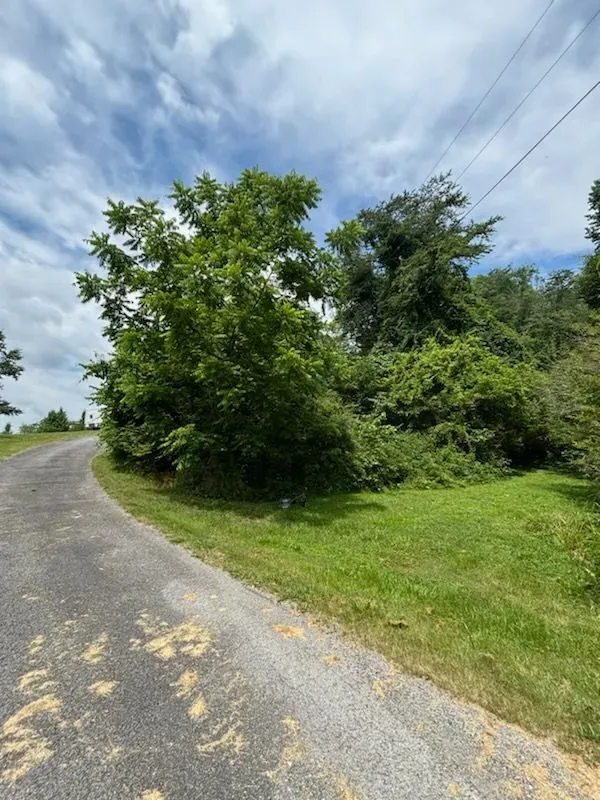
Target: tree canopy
(55,421)
(225,369)
(10,367)
(220,365)
(405,266)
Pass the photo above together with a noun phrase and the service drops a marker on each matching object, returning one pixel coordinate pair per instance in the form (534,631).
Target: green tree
(589,281)
(511,293)
(10,368)
(558,317)
(54,422)
(589,277)
(592,231)
(220,366)
(8,429)
(574,402)
(546,313)
(405,266)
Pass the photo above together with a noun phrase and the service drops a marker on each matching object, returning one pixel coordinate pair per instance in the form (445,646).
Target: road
(131,670)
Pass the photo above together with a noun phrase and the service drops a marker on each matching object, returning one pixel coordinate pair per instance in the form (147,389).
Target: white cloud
(25,94)
(117,99)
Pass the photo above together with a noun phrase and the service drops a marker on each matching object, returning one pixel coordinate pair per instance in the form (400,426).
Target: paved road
(129,670)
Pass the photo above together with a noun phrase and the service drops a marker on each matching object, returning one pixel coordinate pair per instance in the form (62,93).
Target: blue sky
(118,99)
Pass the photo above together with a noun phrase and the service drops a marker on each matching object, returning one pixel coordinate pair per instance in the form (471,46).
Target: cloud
(118,99)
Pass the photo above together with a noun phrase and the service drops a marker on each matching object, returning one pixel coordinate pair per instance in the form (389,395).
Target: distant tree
(10,368)
(78,424)
(54,422)
(7,429)
(510,292)
(558,318)
(31,428)
(589,281)
(405,266)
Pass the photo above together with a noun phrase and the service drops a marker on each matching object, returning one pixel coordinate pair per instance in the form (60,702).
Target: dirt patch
(186,683)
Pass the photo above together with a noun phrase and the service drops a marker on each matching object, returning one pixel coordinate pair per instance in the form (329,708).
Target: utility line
(492,87)
(529,93)
(531,149)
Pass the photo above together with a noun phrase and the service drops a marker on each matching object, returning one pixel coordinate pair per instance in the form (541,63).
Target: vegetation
(489,590)
(54,422)
(9,368)
(221,368)
(248,362)
(405,267)
(224,373)
(16,443)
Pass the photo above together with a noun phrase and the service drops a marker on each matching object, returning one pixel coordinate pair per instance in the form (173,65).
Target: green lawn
(9,445)
(483,589)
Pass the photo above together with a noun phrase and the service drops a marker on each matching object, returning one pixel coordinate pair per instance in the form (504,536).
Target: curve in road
(131,670)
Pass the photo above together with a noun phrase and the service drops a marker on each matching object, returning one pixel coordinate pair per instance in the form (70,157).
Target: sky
(119,99)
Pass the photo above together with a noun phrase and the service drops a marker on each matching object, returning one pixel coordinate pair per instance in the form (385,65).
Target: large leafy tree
(219,365)
(589,277)
(406,264)
(10,367)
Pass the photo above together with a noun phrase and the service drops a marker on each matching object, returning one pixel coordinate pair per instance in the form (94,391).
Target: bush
(573,399)
(386,456)
(469,398)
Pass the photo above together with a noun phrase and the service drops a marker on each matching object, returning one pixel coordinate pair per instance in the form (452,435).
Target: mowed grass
(16,442)
(482,589)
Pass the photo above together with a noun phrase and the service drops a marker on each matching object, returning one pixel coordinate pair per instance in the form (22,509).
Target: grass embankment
(483,589)
(10,445)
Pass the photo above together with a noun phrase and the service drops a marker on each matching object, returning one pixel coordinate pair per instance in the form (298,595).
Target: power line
(529,93)
(531,149)
(492,87)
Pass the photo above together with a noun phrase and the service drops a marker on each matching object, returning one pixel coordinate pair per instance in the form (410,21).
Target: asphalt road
(130,670)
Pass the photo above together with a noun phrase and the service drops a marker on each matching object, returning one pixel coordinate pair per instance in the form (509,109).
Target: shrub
(469,398)
(386,456)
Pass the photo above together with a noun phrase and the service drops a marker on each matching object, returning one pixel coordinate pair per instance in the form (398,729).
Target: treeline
(55,421)
(251,361)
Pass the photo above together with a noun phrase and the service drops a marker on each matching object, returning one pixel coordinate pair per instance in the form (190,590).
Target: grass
(16,442)
(485,589)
